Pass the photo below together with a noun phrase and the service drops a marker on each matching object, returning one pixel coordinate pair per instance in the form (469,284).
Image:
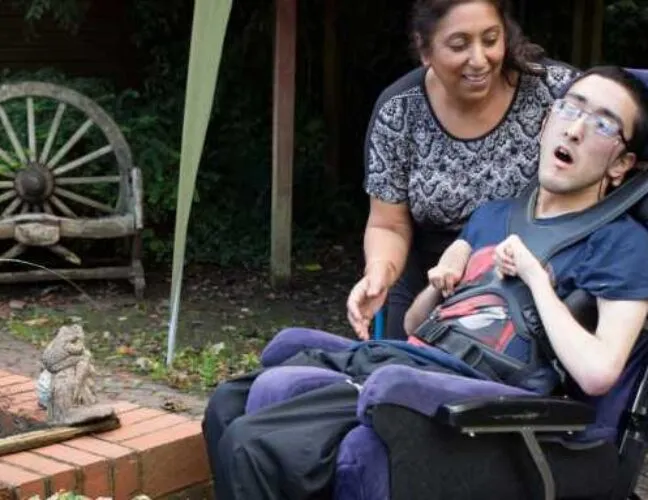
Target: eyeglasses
(603,125)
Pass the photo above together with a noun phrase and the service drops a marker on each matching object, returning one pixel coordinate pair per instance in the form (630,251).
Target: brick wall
(153,452)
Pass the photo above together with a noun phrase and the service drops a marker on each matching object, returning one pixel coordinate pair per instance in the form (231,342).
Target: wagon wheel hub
(34,183)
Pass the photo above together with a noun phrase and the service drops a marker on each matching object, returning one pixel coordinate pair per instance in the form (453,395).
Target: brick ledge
(154,452)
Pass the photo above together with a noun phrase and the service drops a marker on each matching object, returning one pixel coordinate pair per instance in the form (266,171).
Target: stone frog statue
(71,397)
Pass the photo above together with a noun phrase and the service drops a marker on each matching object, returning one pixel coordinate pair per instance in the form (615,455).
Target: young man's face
(583,140)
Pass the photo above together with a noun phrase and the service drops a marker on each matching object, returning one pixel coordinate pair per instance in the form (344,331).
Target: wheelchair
(497,441)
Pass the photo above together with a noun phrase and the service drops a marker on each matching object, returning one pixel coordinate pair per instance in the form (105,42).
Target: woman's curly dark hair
(520,54)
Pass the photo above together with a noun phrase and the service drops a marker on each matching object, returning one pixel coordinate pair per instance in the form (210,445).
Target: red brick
(22,397)
(5,382)
(27,483)
(139,415)
(126,474)
(172,459)
(29,409)
(25,386)
(62,476)
(95,468)
(96,480)
(125,463)
(64,453)
(141,428)
(99,447)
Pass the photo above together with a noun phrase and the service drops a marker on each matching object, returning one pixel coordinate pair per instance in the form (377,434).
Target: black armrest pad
(516,412)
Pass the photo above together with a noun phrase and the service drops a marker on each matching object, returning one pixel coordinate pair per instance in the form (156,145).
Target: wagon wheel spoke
(7,196)
(11,133)
(31,130)
(66,253)
(12,207)
(24,209)
(58,203)
(14,251)
(84,200)
(83,160)
(6,184)
(48,208)
(9,161)
(51,135)
(70,143)
(70,181)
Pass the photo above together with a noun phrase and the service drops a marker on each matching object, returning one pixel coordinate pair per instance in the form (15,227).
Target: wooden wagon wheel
(60,154)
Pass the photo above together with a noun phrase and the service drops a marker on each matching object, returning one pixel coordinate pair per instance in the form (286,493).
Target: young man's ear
(542,127)
(621,167)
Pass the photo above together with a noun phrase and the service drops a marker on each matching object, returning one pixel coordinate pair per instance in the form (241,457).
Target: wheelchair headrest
(641,74)
(640,211)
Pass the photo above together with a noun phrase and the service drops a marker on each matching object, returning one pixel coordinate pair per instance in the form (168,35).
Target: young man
(589,144)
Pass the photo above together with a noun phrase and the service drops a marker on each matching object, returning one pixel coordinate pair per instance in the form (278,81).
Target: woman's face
(467,49)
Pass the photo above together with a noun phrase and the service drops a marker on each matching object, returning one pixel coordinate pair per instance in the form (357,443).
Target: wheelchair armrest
(513,413)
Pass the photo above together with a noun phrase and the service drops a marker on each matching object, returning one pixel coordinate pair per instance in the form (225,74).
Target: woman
(458,131)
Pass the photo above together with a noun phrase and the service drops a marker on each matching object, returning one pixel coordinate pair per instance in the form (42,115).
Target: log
(116,226)
(44,437)
(72,274)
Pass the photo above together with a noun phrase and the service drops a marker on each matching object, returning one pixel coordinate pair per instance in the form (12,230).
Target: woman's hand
(368,296)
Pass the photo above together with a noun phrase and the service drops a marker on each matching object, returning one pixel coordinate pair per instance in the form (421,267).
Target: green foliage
(626,24)
(68,14)
(230,220)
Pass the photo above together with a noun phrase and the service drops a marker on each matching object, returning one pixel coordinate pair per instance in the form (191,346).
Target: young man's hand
(444,279)
(513,258)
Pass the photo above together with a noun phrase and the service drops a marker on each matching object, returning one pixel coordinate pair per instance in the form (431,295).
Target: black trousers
(286,451)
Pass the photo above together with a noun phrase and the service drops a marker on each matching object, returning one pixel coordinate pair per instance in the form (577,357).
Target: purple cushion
(424,391)
(290,341)
(284,382)
(362,471)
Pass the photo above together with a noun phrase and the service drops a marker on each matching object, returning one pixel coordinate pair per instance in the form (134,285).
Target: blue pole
(379,324)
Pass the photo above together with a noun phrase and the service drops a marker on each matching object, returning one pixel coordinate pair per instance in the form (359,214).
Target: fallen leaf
(125,350)
(37,321)
(311,267)
(174,405)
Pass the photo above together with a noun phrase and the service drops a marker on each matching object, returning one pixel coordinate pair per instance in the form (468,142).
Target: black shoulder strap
(544,241)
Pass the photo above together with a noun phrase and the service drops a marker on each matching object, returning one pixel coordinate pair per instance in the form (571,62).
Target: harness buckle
(431,330)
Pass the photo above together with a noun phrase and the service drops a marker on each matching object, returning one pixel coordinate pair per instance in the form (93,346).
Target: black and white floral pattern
(411,158)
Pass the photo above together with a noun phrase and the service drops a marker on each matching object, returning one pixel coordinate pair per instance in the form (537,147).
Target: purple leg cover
(290,341)
(362,471)
(424,391)
(284,382)
(362,464)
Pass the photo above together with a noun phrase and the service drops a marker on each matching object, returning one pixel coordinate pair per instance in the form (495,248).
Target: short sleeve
(615,263)
(470,231)
(387,156)
(487,224)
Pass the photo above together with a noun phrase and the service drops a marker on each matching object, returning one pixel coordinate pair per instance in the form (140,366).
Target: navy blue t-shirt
(611,263)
